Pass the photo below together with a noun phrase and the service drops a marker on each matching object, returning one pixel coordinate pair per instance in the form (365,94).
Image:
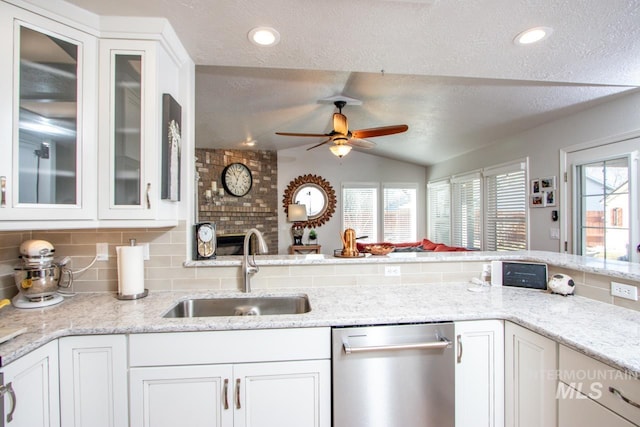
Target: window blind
(359,211)
(400,214)
(505,208)
(466,215)
(439,200)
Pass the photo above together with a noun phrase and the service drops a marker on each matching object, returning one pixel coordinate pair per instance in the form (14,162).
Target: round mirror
(316,194)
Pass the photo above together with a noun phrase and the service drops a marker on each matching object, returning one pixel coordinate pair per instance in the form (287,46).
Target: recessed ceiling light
(264,36)
(533,35)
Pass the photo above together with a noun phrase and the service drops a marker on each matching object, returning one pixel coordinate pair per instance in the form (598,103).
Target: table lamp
(297,214)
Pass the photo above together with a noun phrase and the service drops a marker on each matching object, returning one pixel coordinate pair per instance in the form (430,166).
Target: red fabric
(426,244)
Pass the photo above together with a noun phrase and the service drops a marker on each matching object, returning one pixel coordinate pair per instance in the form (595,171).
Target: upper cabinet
(84,123)
(48,114)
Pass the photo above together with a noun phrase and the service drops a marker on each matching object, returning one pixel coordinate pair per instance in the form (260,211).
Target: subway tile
(594,292)
(441,267)
(621,302)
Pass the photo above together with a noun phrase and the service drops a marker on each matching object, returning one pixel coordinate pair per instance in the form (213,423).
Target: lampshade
(340,150)
(297,212)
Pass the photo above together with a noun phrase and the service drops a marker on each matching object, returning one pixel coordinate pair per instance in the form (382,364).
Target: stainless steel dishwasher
(396,375)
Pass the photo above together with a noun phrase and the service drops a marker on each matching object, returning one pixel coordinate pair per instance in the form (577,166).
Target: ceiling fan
(343,139)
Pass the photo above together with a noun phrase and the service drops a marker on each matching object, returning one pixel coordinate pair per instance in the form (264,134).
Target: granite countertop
(608,333)
(612,268)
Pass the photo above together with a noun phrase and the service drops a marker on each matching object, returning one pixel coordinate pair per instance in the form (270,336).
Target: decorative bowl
(379,249)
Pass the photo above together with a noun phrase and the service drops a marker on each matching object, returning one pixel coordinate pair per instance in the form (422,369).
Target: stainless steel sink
(240,306)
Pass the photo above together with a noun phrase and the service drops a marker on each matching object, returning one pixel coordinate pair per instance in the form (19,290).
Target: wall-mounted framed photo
(550,198)
(535,186)
(548,183)
(537,200)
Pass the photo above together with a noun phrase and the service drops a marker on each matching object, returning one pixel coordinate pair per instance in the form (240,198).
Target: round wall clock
(237,179)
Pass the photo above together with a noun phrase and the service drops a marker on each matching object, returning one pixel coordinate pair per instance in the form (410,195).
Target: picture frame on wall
(548,183)
(535,186)
(171,148)
(537,200)
(550,198)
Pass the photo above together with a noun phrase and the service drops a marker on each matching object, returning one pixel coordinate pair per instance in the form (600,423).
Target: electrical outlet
(102,251)
(391,270)
(624,291)
(145,252)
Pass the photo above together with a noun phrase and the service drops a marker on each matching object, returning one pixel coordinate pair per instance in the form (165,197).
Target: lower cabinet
(93,381)
(253,378)
(283,394)
(530,378)
(480,373)
(31,396)
(593,393)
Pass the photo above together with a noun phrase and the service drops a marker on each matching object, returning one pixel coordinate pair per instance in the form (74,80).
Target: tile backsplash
(167,249)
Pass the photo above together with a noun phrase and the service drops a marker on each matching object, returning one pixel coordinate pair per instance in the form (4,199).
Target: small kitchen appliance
(39,276)
(562,284)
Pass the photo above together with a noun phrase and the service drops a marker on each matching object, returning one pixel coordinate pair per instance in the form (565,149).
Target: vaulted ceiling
(449,69)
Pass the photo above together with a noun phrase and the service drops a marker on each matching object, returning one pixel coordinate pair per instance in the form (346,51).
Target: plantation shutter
(439,199)
(400,214)
(466,204)
(359,211)
(506,208)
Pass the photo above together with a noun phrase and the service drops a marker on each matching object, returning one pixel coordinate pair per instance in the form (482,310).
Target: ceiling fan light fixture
(340,150)
(264,36)
(532,35)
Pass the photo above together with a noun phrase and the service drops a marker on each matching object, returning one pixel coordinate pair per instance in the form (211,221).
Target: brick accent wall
(258,209)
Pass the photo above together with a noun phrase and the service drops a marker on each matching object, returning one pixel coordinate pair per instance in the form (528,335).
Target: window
(440,211)
(400,214)
(466,211)
(392,219)
(360,210)
(505,208)
(488,209)
(603,193)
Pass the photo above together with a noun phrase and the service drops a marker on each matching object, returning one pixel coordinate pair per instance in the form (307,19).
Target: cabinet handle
(238,393)
(225,394)
(148,197)
(459,339)
(12,394)
(3,191)
(624,398)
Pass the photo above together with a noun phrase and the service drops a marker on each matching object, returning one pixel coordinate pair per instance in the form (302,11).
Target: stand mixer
(39,276)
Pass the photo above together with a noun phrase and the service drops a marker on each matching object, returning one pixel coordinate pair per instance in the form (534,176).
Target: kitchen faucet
(250,267)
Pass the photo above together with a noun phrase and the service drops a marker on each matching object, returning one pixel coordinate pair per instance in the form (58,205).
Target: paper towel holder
(134,296)
(132,242)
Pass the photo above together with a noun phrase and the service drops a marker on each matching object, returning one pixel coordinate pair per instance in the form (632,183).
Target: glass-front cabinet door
(48,119)
(128,100)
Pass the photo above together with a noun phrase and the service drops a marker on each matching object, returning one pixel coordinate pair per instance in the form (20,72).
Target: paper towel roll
(130,270)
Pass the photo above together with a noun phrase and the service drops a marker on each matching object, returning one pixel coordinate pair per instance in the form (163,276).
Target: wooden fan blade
(340,123)
(384,130)
(361,143)
(318,145)
(314,135)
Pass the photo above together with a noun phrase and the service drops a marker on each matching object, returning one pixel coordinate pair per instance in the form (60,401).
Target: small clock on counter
(237,179)
(205,241)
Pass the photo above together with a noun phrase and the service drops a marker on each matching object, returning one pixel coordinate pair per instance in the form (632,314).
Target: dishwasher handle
(432,345)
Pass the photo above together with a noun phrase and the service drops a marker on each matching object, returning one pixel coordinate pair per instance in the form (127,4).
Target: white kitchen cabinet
(592,390)
(172,396)
(133,76)
(253,394)
(479,373)
(530,378)
(48,119)
(33,378)
(93,381)
(580,411)
(248,378)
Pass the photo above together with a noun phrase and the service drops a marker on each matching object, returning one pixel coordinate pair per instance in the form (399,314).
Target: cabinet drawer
(580,411)
(190,348)
(595,378)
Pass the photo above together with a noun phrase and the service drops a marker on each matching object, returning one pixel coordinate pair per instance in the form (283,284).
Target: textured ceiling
(451,69)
